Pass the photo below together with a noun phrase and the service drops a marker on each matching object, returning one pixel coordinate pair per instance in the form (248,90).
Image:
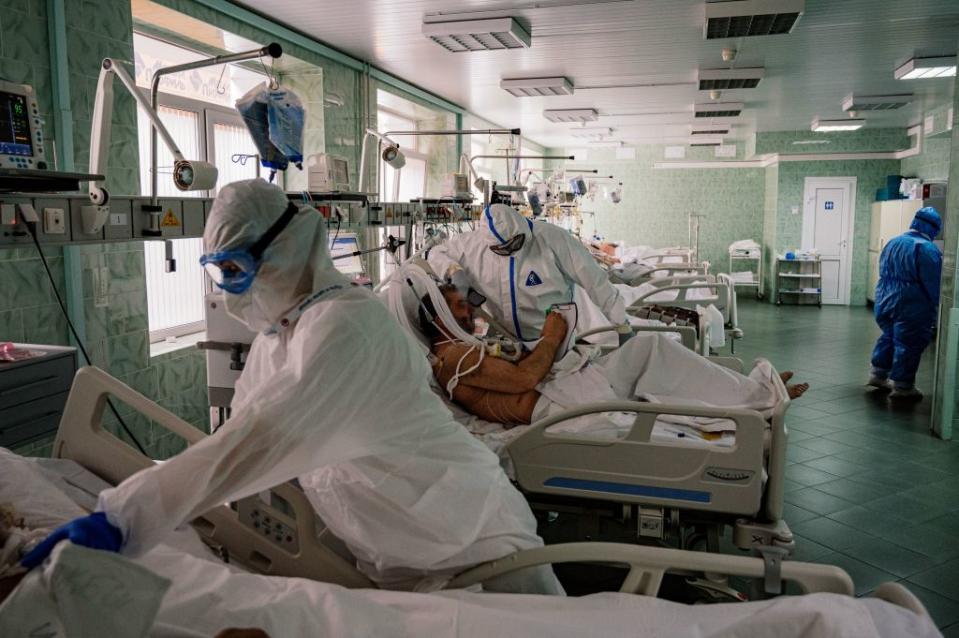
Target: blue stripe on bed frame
(628,488)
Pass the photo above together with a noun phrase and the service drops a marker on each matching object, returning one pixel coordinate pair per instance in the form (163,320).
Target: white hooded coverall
(520,288)
(339,398)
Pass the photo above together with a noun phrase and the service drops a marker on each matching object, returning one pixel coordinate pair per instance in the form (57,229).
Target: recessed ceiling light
(537,87)
(876,102)
(927,68)
(571,115)
(807,142)
(461,36)
(719,109)
(727,79)
(744,18)
(832,126)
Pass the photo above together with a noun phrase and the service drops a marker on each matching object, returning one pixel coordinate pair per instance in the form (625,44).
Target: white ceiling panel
(643,57)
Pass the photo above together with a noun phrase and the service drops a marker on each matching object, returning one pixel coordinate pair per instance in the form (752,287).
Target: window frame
(208,114)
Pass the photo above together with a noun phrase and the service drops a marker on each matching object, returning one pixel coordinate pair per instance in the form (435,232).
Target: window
(410,181)
(201,120)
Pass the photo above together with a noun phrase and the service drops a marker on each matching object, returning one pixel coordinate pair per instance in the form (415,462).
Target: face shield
(509,247)
(234,270)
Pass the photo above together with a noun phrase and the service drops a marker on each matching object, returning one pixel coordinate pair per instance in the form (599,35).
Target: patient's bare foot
(786,376)
(796,390)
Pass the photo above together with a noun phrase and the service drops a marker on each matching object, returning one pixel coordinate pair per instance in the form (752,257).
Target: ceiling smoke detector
(719,109)
(855,103)
(726,79)
(729,55)
(571,115)
(537,87)
(927,68)
(715,95)
(833,126)
(746,18)
(461,36)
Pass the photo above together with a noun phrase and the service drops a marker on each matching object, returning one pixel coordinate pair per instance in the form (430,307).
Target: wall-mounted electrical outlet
(54,221)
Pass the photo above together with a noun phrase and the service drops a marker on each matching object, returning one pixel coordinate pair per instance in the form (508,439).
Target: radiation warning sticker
(170,220)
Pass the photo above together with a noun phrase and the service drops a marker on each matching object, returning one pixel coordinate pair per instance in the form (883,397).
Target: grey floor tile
(942,579)
(910,508)
(808,476)
(828,532)
(889,557)
(798,454)
(793,514)
(823,445)
(832,465)
(865,577)
(852,491)
(923,538)
(808,550)
(944,611)
(816,501)
(870,521)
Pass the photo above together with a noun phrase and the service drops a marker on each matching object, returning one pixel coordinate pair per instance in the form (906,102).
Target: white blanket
(206,596)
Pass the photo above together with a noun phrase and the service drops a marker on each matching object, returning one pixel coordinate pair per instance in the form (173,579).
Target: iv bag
(274,119)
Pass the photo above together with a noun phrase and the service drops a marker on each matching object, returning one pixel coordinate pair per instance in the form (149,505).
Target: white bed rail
(687,334)
(636,469)
(648,565)
(299,551)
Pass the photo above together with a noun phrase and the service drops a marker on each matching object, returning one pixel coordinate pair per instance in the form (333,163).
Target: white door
(828,211)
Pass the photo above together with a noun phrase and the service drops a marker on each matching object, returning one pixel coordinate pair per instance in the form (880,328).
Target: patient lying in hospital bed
(179,589)
(650,368)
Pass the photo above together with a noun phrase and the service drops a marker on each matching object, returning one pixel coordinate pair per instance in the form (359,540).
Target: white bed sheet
(207,596)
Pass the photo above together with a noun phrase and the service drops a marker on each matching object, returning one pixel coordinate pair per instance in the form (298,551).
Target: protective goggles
(234,270)
(507,248)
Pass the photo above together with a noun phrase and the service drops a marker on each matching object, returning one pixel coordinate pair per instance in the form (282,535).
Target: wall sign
(830,205)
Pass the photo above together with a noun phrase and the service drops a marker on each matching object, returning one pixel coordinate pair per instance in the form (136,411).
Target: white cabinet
(889,219)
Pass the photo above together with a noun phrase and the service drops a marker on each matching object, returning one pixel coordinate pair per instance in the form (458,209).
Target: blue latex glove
(93,531)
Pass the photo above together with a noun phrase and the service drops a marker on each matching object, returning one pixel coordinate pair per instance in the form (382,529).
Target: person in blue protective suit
(907,300)
(523,268)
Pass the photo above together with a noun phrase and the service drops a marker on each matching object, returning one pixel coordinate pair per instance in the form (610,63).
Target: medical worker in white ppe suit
(335,394)
(523,268)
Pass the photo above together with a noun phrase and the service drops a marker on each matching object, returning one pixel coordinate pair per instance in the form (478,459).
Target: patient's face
(461,309)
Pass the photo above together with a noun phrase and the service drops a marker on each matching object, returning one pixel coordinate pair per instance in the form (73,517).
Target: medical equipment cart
(746,259)
(803,279)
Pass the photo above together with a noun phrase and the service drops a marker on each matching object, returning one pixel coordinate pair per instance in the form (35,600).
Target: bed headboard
(282,538)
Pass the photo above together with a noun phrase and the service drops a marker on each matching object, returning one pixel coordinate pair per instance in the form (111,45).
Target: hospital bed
(296,544)
(645,467)
(690,292)
(227,588)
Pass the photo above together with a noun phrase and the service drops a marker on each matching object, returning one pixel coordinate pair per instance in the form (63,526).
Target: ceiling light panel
(728,79)
(719,109)
(876,102)
(927,68)
(462,36)
(571,115)
(746,18)
(833,126)
(591,132)
(537,87)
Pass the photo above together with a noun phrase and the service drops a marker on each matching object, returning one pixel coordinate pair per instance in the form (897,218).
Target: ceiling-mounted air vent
(708,141)
(571,115)
(927,68)
(709,130)
(728,79)
(719,109)
(461,36)
(745,18)
(537,87)
(876,102)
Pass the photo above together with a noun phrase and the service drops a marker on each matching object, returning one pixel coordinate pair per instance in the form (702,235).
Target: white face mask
(245,308)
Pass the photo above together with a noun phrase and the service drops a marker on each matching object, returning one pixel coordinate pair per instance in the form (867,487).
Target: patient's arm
(498,375)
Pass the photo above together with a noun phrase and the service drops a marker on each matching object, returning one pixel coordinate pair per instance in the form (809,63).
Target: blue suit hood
(927,221)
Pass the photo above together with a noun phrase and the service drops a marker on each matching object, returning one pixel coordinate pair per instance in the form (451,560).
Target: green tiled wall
(657,202)
(950,284)
(869,174)
(770,213)
(864,140)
